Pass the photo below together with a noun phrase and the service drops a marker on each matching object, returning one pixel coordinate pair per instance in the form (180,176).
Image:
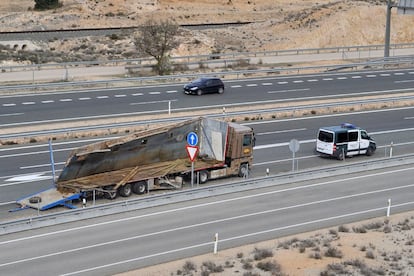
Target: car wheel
(199,92)
(221,90)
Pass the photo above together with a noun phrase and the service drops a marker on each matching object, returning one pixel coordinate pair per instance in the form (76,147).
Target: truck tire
(139,188)
(203,176)
(243,170)
(125,190)
(35,199)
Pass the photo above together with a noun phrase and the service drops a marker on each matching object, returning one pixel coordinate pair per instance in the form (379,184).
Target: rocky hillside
(275,25)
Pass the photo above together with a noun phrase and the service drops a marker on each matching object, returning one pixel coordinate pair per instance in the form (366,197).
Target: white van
(344,140)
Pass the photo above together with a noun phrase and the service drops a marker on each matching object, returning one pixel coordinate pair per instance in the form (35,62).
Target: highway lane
(107,103)
(26,169)
(113,244)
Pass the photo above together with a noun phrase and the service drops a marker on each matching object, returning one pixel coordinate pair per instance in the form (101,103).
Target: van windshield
(325,136)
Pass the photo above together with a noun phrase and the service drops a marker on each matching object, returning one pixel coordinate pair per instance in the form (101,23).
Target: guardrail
(196,193)
(233,74)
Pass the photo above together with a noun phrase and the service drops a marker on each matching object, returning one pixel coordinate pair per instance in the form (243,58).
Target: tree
(157,39)
(46,4)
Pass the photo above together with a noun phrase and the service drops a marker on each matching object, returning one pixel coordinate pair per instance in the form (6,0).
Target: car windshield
(197,81)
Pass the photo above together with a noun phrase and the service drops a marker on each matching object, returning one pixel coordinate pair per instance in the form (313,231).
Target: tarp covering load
(143,155)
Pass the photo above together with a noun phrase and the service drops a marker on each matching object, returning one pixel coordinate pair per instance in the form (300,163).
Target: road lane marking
(84,99)
(152,102)
(9,104)
(102,97)
(28,103)
(282,82)
(171,91)
(137,94)
(65,100)
(371,76)
(267,83)
(11,114)
(48,101)
(288,90)
(120,96)
(327,79)
(251,85)
(356,77)
(280,131)
(235,86)
(154,93)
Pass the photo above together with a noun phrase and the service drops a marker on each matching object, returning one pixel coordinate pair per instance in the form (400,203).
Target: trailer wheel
(35,199)
(125,190)
(203,176)
(139,188)
(243,170)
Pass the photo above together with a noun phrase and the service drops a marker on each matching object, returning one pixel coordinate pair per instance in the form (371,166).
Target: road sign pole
(192,174)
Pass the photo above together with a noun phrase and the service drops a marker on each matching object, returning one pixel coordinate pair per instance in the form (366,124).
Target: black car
(204,85)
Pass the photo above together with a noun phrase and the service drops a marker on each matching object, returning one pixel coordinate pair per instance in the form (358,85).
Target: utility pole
(387,30)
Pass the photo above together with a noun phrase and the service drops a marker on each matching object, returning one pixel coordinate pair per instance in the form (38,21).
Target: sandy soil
(276,24)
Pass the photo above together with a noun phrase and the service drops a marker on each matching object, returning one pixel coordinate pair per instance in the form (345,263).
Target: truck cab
(344,140)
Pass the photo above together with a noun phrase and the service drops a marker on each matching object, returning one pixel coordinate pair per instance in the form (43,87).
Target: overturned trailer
(152,159)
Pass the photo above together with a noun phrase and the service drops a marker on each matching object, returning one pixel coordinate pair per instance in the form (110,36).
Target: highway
(113,244)
(26,169)
(63,107)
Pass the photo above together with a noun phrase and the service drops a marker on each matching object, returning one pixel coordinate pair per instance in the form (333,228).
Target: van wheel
(370,151)
(199,92)
(341,155)
(139,188)
(125,190)
(243,170)
(203,177)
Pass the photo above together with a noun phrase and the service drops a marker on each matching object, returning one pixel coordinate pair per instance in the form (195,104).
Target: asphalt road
(26,169)
(113,244)
(29,110)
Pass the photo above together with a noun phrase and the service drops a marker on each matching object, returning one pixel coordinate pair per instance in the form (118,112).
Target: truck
(151,159)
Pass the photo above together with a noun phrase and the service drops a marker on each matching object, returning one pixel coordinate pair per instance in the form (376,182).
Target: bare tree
(157,39)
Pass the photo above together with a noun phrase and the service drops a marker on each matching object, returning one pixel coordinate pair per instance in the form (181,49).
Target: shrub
(189,266)
(343,228)
(212,267)
(260,254)
(269,266)
(333,252)
(370,255)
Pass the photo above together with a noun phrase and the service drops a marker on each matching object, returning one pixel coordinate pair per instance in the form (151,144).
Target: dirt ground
(275,24)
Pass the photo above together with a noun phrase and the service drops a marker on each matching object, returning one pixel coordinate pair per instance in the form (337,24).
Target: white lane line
(9,104)
(251,85)
(65,100)
(298,81)
(408,118)
(172,91)
(282,82)
(312,80)
(342,78)
(327,79)
(11,114)
(28,103)
(267,83)
(120,96)
(235,86)
(280,131)
(411,73)
(154,93)
(102,97)
(48,101)
(152,102)
(84,99)
(399,74)
(356,77)
(385,75)
(371,76)
(137,94)
(403,81)
(289,90)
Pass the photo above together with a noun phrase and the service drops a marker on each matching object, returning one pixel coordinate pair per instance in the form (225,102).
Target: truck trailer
(152,159)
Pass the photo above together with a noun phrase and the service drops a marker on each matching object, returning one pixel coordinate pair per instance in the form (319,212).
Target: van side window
(247,140)
(325,136)
(353,136)
(364,135)
(342,137)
